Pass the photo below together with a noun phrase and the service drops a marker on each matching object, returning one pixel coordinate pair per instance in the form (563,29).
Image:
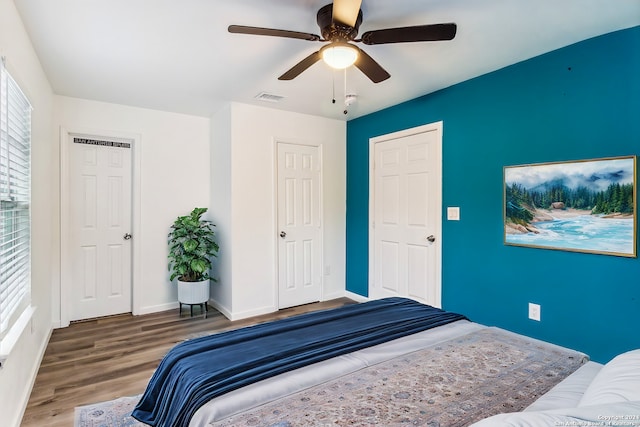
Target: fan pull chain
(345,92)
(333,87)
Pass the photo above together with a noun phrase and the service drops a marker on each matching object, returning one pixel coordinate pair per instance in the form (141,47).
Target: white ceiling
(176,55)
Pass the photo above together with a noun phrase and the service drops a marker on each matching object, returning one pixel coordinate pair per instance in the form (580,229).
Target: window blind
(15,201)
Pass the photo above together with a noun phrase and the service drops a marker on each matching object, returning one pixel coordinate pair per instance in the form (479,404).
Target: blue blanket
(196,371)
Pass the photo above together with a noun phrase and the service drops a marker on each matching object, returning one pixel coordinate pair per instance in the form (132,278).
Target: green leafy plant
(191,246)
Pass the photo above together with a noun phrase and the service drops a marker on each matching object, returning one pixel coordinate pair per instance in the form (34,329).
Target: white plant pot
(193,292)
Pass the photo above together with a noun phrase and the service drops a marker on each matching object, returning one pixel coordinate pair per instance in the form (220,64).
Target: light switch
(534,311)
(453,213)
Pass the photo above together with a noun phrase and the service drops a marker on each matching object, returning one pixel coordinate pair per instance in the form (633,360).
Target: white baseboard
(231,315)
(221,308)
(156,308)
(333,295)
(32,376)
(355,297)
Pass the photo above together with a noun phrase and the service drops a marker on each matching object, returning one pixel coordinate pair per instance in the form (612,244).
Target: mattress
(196,371)
(294,381)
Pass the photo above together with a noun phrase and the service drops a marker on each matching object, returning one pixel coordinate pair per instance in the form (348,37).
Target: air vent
(268,97)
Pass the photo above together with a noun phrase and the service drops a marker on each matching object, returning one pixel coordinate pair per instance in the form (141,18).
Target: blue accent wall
(578,102)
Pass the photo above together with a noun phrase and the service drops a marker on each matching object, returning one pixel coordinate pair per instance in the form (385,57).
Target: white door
(100,227)
(406,227)
(299,225)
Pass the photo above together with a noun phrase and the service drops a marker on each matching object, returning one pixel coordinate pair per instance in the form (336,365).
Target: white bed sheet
(294,381)
(568,392)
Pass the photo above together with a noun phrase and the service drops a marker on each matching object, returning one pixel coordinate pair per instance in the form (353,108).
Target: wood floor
(106,358)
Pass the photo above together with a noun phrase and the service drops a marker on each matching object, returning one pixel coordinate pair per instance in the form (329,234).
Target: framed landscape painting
(581,206)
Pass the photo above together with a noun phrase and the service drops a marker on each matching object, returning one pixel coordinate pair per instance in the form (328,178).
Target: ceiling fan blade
(370,67)
(345,12)
(419,33)
(258,31)
(297,69)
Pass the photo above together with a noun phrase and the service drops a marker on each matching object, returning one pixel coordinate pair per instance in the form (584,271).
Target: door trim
(65,227)
(431,127)
(275,231)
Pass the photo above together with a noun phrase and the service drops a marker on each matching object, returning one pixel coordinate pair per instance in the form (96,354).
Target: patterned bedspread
(454,383)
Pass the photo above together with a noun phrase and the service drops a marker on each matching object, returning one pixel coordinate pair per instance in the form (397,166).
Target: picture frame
(585,206)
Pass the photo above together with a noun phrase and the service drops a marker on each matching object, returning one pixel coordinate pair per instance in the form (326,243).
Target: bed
(594,395)
(405,362)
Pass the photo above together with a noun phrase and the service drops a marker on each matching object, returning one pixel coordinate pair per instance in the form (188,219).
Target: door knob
(283,234)
(127,236)
(431,238)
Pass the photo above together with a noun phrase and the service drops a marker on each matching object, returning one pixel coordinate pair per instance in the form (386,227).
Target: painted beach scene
(584,206)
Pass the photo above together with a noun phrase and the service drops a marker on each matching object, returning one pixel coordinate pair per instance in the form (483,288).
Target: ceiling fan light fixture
(339,55)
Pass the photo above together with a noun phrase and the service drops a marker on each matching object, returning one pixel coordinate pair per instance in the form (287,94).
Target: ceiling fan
(339,23)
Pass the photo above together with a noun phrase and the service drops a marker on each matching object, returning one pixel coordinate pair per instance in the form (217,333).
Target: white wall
(252,223)
(220,206)
(19,370)
(176,166)
(174,178)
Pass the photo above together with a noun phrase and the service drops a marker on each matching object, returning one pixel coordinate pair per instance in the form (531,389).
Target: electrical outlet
(534,311)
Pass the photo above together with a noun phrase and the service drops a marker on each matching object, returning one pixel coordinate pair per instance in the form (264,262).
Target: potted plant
(191,246)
